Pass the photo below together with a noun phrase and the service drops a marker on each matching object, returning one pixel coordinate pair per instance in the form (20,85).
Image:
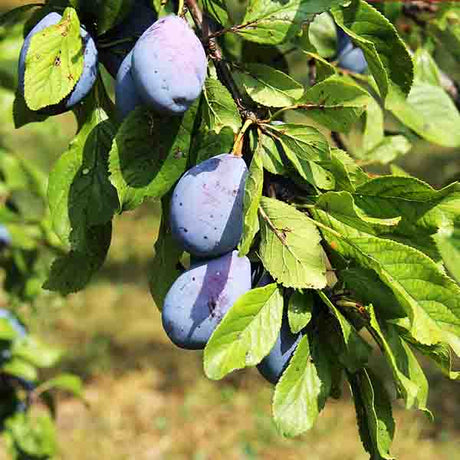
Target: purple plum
(349,56)
(207,206)
(274,364)
(126,96)
(200,297)
(87,78)
(169,65)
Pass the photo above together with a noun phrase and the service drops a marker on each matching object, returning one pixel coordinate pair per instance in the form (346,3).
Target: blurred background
(148,399)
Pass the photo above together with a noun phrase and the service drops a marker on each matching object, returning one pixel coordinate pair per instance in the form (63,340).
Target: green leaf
(251,200)
(388,150)
(111,12)
(205,143)
(270,152)
(335,102)
(409,376)
(373,126)
(54,62)
(73,271)
(247,332)
(70,383)
(217,9)
(20,368)
(17,15)
(353,351)
(148,155)
(324,69)
(220,109)
(268,86)
(300,309)
(7,332)
(448,243)
(428,111)
(425,68)
(386,54)
(79,191)
(439,353)
(304,146)
(272,22)
(36,353)
(431,299)
(322,34)
(423,210)
(82,201)
(22,115)
(290,246)
(33,435)
(303,389)
(373,412)
(369,289)
(163,269)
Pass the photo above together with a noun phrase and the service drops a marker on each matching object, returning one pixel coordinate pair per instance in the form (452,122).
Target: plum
(87,78)
(349,56)
(207,206)
(200,297)
(5,237)
(274,364)
(124,35)
(169,65)
(126,96)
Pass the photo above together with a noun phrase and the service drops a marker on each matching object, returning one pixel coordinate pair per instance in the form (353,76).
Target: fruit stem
(237,149)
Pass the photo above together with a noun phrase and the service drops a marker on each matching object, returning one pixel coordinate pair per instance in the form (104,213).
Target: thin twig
(214,51)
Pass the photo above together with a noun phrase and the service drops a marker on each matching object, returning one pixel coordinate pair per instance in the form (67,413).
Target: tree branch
(214,51)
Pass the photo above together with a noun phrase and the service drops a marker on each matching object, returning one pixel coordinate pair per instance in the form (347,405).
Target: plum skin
(126,95)
(87,78)
(169,65)
(275,363)
(206,210)
(200,297)
(349,56)
(138,20)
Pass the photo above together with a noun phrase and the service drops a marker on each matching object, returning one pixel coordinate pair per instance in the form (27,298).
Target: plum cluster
(206,218)
(206,215)
(349,57)
(165,70)
(87,78)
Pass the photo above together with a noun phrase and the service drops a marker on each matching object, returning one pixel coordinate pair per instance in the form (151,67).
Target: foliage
(350,250)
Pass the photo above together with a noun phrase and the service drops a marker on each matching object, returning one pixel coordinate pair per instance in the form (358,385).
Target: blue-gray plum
(169,65)
(200,297)
(124,35)
(349,56)
(87,78)
(126,96)
(207,206)
(274,364)
(5,237)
